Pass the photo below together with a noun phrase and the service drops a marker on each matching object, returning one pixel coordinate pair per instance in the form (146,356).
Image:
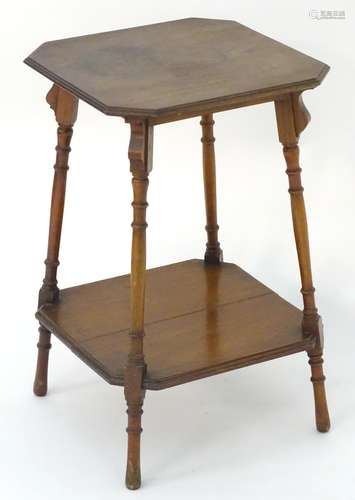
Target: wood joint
(48,293)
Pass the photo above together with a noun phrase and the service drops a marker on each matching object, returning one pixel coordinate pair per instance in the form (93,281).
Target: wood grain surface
(175,67)
(200,320)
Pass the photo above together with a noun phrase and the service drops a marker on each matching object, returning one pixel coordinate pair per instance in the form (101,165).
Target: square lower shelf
(200,320)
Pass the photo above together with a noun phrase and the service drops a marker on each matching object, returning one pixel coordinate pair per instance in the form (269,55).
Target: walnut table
(159,328)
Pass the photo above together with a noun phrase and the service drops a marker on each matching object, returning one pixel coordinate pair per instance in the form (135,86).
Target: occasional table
(199,317)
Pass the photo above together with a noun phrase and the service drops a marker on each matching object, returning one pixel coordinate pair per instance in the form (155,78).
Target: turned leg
(140,156)
(318,378)
(44,344)
(292,118)
(213,254)
(65,108)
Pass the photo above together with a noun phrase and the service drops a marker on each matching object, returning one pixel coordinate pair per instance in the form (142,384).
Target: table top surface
(189,65)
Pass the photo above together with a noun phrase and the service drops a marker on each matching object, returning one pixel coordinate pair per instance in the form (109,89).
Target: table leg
(140,156)
(65,107)
(292,118)
(213,254)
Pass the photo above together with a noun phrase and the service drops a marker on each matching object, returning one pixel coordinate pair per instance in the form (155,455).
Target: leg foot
(133,475)
(133,478)
(44,344)
(320,399)
(134,430)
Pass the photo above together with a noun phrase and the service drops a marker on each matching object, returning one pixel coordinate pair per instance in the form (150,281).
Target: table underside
(200,320)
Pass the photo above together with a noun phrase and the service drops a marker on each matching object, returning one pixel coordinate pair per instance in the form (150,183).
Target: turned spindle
(318,379)
(44,345)
(140,156)
(65,107)
(292,118)
(213,254)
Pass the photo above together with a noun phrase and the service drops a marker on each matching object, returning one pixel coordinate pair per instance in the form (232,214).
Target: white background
(248,434)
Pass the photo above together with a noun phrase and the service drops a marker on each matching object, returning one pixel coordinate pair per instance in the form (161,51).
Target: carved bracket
(64,105)
(291,104)
(140,150)
(301,115)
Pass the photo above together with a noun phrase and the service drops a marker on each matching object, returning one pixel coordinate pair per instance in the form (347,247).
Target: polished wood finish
(140,156)
(292,118)
(213,252)
(226,317)
(65,107)
(317,379)
(168,69)
(41,377)
(158,328)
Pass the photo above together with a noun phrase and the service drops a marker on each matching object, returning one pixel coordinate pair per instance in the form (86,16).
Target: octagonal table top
(189,65)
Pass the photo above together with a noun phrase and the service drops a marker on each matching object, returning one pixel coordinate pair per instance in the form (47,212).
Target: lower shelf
(200,320)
